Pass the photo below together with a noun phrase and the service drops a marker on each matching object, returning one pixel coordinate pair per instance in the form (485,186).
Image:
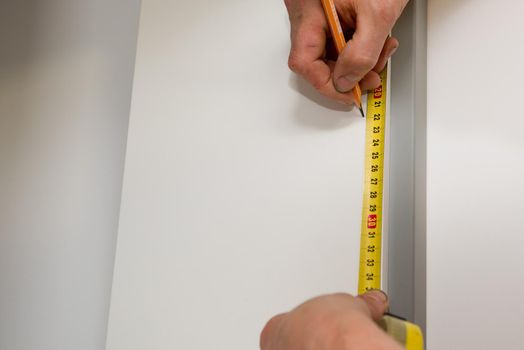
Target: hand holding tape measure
(331,322)
(404,332)
(342,321)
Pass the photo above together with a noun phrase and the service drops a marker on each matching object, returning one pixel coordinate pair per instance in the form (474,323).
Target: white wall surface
(65,83)
(475,175)
(242,191)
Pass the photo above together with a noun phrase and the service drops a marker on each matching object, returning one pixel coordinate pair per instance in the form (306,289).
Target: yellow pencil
(340,42)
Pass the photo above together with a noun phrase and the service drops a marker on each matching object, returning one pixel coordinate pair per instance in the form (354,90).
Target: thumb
(373,25)
(377,303)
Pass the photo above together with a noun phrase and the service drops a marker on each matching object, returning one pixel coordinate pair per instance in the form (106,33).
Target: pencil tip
(361,110)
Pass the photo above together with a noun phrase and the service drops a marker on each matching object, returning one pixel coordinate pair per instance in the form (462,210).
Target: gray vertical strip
(406,226)
(401,208)
(420,91)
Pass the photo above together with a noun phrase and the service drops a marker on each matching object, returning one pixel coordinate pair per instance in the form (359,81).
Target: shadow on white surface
(312,117)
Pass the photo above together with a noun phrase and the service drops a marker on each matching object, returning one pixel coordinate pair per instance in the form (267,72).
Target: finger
(388,50)
(363,50)
(377,302)
(308,44)
(270,330)
(372,79)
(306,60)
(369,82)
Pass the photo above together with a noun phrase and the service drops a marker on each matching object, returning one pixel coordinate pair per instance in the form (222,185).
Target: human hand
(331,322)
(312,54)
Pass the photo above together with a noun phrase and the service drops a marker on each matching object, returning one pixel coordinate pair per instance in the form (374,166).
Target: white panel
(242,191)
(66,71)
(475,174)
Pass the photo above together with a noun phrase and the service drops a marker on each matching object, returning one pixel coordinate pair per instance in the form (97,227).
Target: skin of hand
(312,55)
(331,322)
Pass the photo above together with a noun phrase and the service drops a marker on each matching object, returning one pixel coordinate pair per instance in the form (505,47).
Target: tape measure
(370,265)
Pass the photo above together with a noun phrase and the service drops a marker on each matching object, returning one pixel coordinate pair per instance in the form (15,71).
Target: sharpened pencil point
(361,111)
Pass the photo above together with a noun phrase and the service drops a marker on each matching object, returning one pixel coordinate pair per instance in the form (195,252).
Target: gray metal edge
(406,226)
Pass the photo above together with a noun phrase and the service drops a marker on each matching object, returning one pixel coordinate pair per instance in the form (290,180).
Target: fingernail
(378,295)
(344,84)
(392,51)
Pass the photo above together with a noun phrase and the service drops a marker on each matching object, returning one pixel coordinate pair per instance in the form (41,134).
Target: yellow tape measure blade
(371,227)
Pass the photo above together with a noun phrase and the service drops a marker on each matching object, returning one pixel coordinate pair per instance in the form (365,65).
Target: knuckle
(364,62)
(269,331)
(295,63)
(317,84)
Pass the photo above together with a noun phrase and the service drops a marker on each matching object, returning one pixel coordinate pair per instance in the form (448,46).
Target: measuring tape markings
(371,228)
(370,273)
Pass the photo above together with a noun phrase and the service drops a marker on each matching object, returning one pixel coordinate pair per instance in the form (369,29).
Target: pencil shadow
(310,117)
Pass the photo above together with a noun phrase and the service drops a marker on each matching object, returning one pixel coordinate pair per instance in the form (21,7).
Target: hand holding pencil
(320,54)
